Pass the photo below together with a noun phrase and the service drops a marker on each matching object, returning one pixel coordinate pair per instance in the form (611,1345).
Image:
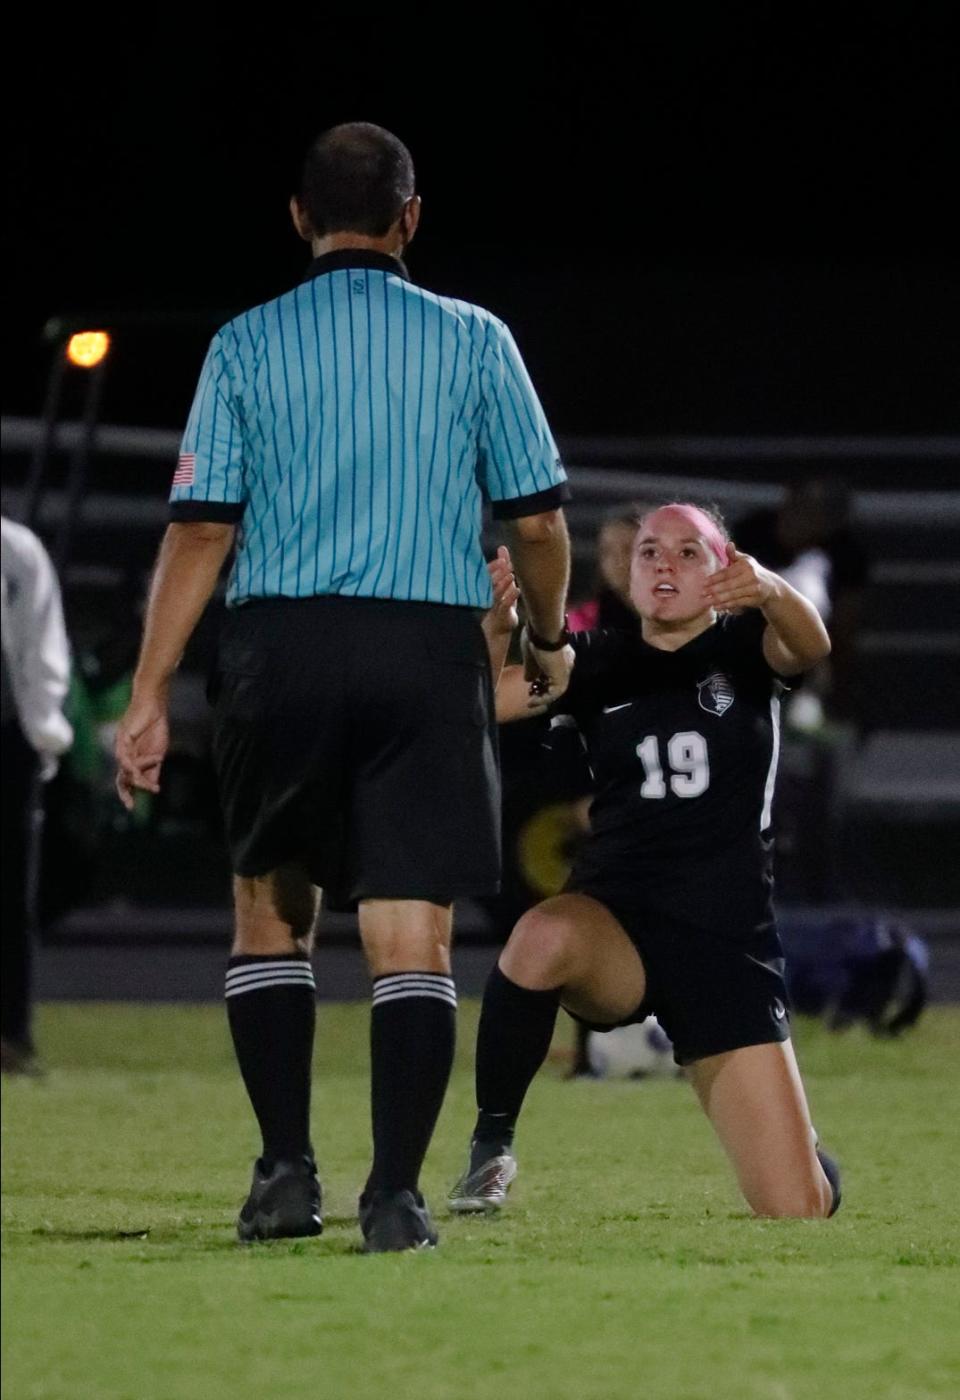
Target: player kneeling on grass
(668,908)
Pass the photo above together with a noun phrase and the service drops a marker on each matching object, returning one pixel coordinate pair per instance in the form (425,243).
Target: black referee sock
(412,1036)
(272,1010)
(516,1028)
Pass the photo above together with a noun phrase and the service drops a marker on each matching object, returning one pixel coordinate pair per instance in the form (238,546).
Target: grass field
(625,1267)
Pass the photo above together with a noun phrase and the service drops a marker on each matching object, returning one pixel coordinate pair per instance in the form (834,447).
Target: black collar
(355,257)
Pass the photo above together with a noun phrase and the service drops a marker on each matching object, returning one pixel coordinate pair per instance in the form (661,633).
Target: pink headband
(703,525)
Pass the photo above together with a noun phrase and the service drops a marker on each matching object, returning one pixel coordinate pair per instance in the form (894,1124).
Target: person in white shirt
(35,732)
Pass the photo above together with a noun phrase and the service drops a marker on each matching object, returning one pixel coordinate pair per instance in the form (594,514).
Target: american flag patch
(186,465)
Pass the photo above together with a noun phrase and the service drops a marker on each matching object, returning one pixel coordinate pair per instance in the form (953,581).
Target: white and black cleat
(483,1190)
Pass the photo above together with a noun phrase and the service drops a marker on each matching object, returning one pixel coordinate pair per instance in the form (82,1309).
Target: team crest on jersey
(716,693)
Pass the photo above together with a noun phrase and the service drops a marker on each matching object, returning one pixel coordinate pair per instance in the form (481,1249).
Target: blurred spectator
(610,605)
(808,541)
(80,811)
(36,676)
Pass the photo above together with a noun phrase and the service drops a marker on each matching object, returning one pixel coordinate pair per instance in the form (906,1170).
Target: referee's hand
(143,736)
(550,670)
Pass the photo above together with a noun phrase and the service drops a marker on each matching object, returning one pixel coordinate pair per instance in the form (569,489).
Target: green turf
(625,1267)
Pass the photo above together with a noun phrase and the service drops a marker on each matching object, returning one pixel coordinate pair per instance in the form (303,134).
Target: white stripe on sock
(400,995)
(298,981)
(397,977)
(402,979)
(256,969)
(301,970)
(249,976)
(379,990)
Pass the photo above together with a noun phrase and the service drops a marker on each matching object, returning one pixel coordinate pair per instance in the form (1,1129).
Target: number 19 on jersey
(687,762)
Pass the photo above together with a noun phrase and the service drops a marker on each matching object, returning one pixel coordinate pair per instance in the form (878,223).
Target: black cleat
(392,1221)
(284,1202)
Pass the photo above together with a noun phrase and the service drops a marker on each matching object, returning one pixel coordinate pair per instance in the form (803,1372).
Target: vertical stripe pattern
(766,816)
(359,423)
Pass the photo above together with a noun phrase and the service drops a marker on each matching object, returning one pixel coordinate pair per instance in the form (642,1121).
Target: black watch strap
(542,644)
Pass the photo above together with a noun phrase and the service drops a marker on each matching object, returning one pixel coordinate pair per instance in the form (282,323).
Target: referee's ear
(410,219)
(301,219)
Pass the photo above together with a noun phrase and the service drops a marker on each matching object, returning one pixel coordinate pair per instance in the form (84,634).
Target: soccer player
(345,437)
(668,908)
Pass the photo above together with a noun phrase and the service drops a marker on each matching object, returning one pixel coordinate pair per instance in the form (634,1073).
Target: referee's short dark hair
(356,179)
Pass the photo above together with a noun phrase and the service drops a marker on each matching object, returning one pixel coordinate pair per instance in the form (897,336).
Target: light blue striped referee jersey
(354,427)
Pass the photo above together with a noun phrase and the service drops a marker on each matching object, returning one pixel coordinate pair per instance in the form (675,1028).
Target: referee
(345,437)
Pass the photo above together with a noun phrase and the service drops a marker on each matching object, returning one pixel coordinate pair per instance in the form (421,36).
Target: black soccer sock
(272,1010)
(412,1037)
(516,1028)
(832,1172)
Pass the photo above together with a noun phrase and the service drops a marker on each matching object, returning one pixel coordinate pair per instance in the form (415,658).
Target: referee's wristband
(542,644)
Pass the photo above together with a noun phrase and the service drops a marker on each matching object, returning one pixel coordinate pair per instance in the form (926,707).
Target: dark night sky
(692,226)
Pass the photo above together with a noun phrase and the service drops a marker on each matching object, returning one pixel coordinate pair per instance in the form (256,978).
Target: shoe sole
(474,1205)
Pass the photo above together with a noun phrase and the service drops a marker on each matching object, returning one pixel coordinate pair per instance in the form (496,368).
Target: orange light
(88,348)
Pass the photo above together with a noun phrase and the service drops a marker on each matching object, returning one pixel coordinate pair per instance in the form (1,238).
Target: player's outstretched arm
(188,566)
(518,698)
(795,637)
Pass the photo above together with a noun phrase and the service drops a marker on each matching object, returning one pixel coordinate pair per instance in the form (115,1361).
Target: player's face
(671,564)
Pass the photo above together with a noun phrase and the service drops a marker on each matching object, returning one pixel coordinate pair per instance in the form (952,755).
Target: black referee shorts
(710,992)
(356,737)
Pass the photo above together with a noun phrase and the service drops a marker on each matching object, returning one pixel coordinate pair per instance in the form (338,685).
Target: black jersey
(683,746)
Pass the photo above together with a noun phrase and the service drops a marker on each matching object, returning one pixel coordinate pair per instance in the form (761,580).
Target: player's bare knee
(806,1201)
(542,946)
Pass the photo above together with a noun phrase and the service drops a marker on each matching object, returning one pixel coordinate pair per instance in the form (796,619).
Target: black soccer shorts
(356,738)
(710,992)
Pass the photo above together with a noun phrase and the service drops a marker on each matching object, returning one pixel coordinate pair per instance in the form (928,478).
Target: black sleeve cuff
(536,504)
(213,512)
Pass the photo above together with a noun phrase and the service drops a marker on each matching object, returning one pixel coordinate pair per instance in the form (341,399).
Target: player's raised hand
(743,583)
(502,616)
(143,737)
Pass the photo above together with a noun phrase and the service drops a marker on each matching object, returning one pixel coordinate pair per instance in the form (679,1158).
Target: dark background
(694,223)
